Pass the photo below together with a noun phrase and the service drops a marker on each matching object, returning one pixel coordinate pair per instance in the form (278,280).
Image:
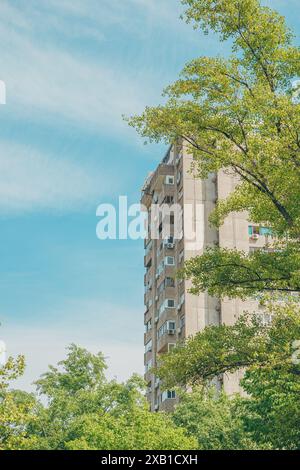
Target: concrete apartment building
(171,312)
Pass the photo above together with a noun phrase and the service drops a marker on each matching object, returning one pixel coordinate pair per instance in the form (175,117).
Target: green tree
(214,419)
(241,115)
(86,411)
(17,409)
(271,412)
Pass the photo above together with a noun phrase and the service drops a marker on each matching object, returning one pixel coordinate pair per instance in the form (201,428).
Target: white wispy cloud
(54,82)
(128,14)
(46,80)
(30,180)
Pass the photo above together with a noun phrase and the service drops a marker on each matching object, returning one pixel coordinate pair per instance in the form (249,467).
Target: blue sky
(72,68)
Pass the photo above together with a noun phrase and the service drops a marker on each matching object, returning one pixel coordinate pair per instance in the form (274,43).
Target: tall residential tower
(171,312)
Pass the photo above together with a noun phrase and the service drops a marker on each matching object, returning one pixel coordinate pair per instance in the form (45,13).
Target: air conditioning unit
(156,276)
(179,330)
(170,246)
(156,319)
(255,236)
(156,385)
(156,298)
(156,407)
(171,331)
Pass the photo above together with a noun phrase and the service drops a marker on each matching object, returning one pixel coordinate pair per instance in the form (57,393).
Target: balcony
(164,342)
(148,315)
(148,261)
(155,182)
(166,334)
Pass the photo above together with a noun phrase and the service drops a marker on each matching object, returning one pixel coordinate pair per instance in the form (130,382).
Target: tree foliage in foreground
(81,409)
(215,420)
(16,409)
(234,273)
(241,114)
(269,353)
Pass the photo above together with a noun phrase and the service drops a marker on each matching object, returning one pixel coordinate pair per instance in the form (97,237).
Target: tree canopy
(270,355)
(81,409)
(102,414)
(241,115)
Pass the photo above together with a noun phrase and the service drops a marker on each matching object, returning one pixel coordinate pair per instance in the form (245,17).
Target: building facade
(171,312)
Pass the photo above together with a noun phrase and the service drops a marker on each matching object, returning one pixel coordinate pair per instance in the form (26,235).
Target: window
(160,288)
(171,346)
(169,158)
(169,261)
(161,331)
(168,200)
(169,303)
(160,268)
(168,395)
(169,242)
(161,310)
(169,327)
(253,230)
(148,366)
(169,179)
(148,346)
(169,282)
(266,231)
(256,230)
(148,326)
